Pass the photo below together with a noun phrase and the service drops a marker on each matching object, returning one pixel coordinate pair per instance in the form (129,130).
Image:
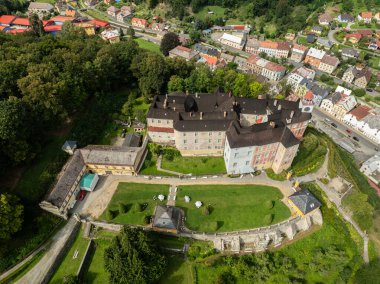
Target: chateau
(251,134)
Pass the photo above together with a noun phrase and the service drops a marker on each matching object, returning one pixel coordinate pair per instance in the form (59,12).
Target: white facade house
(339,103)
(233,41)
(371,168)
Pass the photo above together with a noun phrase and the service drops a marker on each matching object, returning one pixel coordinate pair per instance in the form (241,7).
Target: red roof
(239,27)
(160,129)
(6,19)
(360,112)
(355,35)
(274,67)
(211,60)
(365,33)
(21,22)
(309,96)
(16,31)
(99,23)
(53,28)
(366,15)
(46,22)
(2,27)
(61,19)
(183,48)
(139,21)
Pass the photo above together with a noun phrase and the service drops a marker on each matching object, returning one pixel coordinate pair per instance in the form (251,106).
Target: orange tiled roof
(21,22)
(6,19)
(309,96)
(366,15)
(17,31)
(61,19)
(211,60)
(268,44)
(183,48)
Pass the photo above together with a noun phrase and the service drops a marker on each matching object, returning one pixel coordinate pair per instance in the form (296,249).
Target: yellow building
(303,202)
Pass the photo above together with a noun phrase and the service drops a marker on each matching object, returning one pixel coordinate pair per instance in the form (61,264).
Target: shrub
(269,204)
(204,160)
(206,211)
(268,219)
(324,180)
(147,219)
(122,208)
(110,214)
(137,207)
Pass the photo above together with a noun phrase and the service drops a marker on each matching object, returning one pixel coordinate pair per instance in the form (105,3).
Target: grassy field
(96,272)
(234,207)
(70,265)
(375,62)
(132,193)
(195,165)
(97,15)
(144,44)
(218,12)
(149,167)
(179,271)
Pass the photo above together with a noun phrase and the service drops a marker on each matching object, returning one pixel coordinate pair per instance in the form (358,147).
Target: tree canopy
(168,42)
(11,215)
(133,258)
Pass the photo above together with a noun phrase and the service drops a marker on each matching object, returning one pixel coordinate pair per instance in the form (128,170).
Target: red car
(348,131)
(82,195)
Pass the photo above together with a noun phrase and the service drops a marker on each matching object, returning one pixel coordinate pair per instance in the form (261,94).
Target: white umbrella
(198,204)
(161,197)
(187,199)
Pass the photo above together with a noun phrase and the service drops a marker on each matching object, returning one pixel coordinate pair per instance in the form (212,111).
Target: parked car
(369,90)
(348,131)
(82,195)
(355,138)
(334,125)
(327,120)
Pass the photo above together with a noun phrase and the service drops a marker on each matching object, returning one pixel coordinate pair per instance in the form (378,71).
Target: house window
(196,141)
(249,152)
(247,163)
(210,133)
(184,134)
(235,155)
(209,140)
(219,140)
(196,133)
(159,121)
(220,133)
(235,164)
(184,141)
(209,147)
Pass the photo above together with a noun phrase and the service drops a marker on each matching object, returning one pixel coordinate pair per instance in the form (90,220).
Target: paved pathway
(40,271)
(172,195)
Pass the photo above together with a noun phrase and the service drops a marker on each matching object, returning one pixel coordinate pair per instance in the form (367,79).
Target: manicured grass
(144,44)
(150,165)
(97,15)
(203,13)
(96,272)
(233,207)
(310,156)
(375,62)
(70,265)
(179,271)
(132,193)
(195,165)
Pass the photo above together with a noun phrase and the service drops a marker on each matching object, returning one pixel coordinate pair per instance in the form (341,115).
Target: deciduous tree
(168,42)
(11,215)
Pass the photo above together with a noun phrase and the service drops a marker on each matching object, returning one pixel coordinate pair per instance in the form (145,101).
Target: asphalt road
(364,148)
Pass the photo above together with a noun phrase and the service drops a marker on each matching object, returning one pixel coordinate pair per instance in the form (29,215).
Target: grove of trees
(133,258)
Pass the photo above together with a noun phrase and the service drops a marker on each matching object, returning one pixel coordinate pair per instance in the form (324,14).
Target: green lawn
(195,165)
(70,265)
(218,12)
(179,271)
(144,44)
(132,193)
(97,15)
(375,62)
(234,207)
(302,40)
(150,165)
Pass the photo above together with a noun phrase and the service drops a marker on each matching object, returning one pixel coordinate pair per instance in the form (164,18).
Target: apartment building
(339,103)
(298,52)
(234,41)
(271,48)
(268,69)
(314,57)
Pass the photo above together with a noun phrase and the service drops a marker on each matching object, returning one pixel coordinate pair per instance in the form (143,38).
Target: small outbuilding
(167,219)
(69,146)
(89,181)
(303,202)
(138,126)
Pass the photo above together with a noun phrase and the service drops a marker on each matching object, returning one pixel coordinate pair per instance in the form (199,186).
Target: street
(364,148)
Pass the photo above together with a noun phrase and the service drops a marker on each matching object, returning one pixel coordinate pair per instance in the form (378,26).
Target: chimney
(173,101)
(275,102)
(279,107)
(225,114)
(272,124)
(196,95)
(292,114)
(201,115)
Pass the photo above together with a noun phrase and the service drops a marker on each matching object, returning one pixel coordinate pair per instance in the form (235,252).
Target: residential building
(21,23)
(139,23)
(311,38)
(90,2)
(227,58)
(160,34)
(377,17)
(314,57)
(70,12)
(365,16)
(328,63)
(339,103)
(303,202)
(270,70)
(206,49)
(234,41)
(365,33)
(41,9)
(353,38)
(350,53)
(298,52)
(359,75)
(113,11)
(317,30)
(6,20)
(232,28)
(290,36)
(210,61)
(111,35)
(126,10)
(345,18)
(371,168)
(271,48)
(121,17)
(60,20)
(184,39)
(95,159)
(157,27)
(309,86)
(374,44)
(88,27)
(184,52)
(366,120)
(325,19)
(298,75)
(241,63)
(325,42)
(252,46)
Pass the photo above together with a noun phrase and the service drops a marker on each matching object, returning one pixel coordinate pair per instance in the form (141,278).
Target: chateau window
(196,133)
(247,163)
(184,134)
(235,164)
(184,141)
(210,133)
(159,121)
(209,147)
(209,140)
(235,155)
(196,141)
(249,152)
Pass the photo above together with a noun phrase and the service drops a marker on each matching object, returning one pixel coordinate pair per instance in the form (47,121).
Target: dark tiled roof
(259,134)
(69,145)
(305,201)
(167,217)
(132,140)
(206,49)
